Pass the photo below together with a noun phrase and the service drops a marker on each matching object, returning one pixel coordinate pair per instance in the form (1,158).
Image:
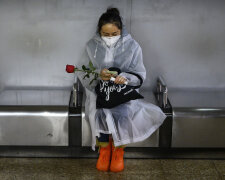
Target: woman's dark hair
(112,16)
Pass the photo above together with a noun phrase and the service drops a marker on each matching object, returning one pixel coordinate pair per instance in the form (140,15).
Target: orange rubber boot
(117,163)
(103,162)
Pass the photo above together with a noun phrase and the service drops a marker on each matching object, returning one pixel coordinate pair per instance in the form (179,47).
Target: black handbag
(110,94)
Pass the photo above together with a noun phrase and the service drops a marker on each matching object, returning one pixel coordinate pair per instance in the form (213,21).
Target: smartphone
(113,72)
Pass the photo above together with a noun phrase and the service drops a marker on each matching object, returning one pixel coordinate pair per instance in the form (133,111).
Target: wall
(182,40)
(38,38)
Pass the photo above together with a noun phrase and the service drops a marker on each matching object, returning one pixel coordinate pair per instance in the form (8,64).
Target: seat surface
(52,97)
(197,98)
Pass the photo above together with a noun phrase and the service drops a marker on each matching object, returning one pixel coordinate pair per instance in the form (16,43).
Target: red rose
(70,68)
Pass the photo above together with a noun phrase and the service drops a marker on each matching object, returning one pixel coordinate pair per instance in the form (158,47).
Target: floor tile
(100,176)
(192,177)
(220,166)
(143,166)
(189,167)
(87,165)
(145,177)
(135,169)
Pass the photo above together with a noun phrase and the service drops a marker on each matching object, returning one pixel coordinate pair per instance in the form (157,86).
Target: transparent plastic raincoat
(130,122)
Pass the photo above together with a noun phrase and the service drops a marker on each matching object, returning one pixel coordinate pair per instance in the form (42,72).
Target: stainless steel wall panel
(34,125)
(34,117)
(198,127)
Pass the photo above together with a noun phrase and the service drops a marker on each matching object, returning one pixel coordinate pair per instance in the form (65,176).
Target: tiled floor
(135,169)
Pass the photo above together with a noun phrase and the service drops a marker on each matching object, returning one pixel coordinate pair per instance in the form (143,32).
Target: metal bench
(51,123)
(198,117)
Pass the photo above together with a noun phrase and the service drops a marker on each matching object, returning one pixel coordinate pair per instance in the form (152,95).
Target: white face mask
(110,41)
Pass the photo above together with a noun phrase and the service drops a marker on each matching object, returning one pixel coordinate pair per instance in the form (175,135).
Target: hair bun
(113,11)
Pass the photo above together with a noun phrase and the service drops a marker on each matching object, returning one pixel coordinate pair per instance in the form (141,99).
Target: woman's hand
(120,80)
(104,75)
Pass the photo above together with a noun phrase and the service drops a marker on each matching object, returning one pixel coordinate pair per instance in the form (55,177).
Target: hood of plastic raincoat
(124,33)
(124,37)
(125,54)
